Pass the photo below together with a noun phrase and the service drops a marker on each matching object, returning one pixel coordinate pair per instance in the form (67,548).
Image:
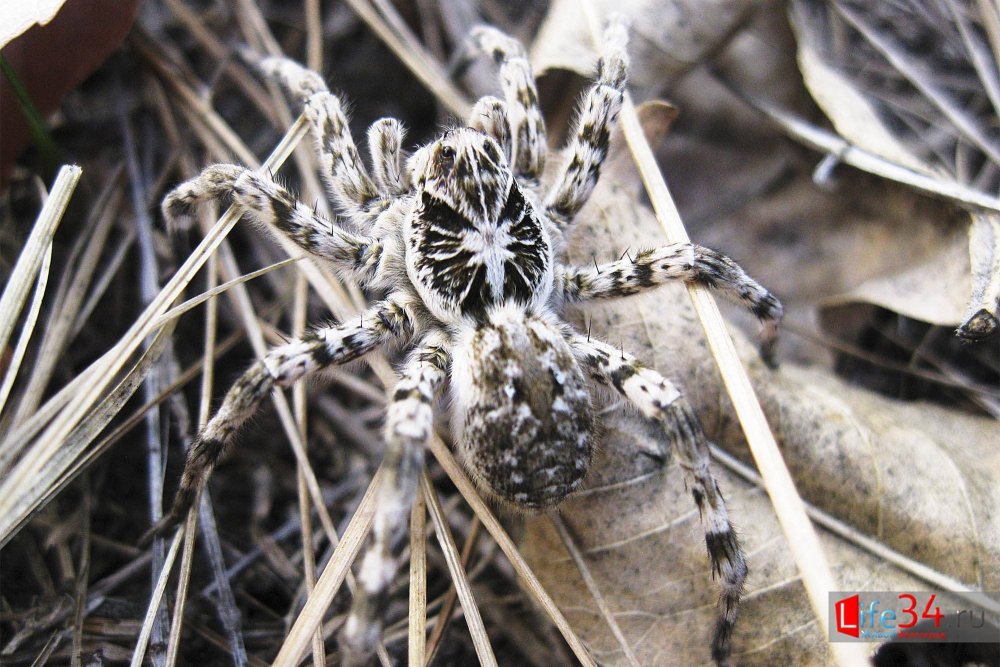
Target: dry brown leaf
(932,110)
(867,240)
(16,17)
(931,289)
(667,37)
(919,478)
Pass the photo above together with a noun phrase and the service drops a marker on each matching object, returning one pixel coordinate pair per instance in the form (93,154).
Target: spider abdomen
(522,411)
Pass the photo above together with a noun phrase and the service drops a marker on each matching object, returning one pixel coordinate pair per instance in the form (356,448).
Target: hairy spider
(465,246)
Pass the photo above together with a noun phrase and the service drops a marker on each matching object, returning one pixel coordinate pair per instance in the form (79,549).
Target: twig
(819,139)
(534,587)
(472,617)
(417,644)
(788,505)
(588,579)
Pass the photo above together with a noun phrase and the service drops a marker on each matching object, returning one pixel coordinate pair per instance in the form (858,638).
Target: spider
(464,243)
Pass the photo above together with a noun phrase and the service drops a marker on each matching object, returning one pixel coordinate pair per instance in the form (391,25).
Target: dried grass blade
(74,282)
(154,602)
(329,582)
(197,28)
(967,125)
(92,453)
(202,111)
(314,35)
(82,576)
(472,617)
(299,406)
(983,59)
(990,14)
(183,581)
(412,54)
(256,336)
(588,579)
(448,606)
(34,248)
(788,505)
(51,472)
(471,495)
(417,645)
(831,144)
(878,549)
(26,330)
(196,301)
(51,644)
(108,274)
(102,371)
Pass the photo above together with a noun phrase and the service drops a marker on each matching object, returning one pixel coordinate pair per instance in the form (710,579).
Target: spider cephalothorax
(459,239)
(473,241)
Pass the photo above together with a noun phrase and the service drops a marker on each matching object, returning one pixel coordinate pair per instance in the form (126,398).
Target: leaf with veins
(918,478)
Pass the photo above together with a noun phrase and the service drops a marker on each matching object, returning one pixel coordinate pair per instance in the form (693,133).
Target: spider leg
(678,261)
(490,116)
(657,398)
(588,147)
(343,171)
(385,145)
(282,366)
(518,84)
(409,423)
(273,206)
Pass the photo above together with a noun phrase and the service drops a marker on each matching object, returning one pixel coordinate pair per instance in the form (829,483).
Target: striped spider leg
(474,290)
(658,399)
(684,262)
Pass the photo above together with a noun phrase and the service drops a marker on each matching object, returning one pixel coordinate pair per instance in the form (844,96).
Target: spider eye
(446,153)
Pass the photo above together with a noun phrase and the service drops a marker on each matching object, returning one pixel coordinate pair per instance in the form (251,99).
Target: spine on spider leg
(717,271)
(686,262)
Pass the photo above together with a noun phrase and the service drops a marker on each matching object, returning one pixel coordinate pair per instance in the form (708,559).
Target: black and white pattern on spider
(458,239)
(472,267)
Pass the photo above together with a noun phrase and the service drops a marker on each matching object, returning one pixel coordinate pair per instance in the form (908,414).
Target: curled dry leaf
(697,28)
(916,83)
(921,479)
